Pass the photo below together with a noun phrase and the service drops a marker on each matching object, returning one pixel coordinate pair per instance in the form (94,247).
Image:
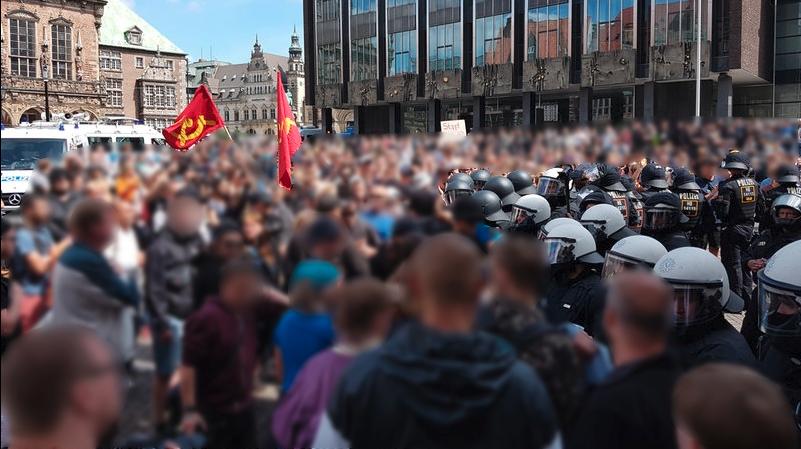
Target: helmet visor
(452,195)
(660,219)
(779,311)
(596,227)
(615,264)
(560,250)
(520,214)
(694,304)
(550,187)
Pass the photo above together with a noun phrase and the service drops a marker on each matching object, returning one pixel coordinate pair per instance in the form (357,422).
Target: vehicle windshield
(22,154)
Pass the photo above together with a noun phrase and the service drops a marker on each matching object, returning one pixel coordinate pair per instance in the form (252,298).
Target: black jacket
(671,239)
(425,389)
(580,301)
(630,409)
(716,341)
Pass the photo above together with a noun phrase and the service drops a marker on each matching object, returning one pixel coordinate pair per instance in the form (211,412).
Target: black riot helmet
(684,180)
(457,187)
(736,160)
(663,212)
(491,207)
(480,177)
(505,190)
(523,182)
(609,179)
(653,176)
(787,174)
(462,177)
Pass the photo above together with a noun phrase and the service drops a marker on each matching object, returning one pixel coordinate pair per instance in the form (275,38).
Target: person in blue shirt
(306,328)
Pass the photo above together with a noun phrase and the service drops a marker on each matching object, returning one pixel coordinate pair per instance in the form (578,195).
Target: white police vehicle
(114,133)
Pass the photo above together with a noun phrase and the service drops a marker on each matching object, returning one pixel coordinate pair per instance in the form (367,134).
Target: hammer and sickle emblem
(188,123)
(284,126)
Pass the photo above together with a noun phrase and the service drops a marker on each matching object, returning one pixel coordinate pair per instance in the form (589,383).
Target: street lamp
(45,77)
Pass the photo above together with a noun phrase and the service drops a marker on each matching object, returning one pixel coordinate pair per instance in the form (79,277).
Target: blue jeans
(167,354)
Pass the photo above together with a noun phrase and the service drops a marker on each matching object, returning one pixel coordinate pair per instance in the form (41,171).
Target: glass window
(548,29)
(401,37)
(493,32)
(329,46)
(601,108)
(609,25)
(110,60)
(23,47)
(674,21)
(364,40)
(114,92)
(140,62)
(445,34)
(236,116)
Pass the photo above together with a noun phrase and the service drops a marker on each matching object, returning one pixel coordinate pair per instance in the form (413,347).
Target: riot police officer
(736,207)
(576,294)
(553,186)
(637,252)
(552,224)
(505,190)
(491,208)
(522,182)
(780,319)
(529,213)
(457,187)
(663,220)
(787,181)
(588,196)
(480,177)
(700,225)
(653,179)
(607,226)
(625,201)
(701,294)
(785,229)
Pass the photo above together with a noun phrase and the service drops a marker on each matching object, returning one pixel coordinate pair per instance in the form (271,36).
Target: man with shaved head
(438,383)
(631,408)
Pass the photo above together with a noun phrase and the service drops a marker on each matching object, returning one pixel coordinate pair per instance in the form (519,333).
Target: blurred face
(230,245)
(184,215)
(8,244)
(96,396)
(39,212)
(787,213)
(62,185)
(241,290)
(103,231)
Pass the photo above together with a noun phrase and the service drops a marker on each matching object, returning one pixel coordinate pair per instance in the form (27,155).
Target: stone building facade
(142,73)
(60,38)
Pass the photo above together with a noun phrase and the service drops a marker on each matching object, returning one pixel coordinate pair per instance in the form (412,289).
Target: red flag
(199,118)
(288,137)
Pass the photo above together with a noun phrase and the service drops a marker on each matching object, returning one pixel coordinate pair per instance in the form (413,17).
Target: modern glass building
(406,65)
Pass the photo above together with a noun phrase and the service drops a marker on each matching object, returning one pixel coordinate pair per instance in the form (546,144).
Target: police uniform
(717,341)
(653,179)
(700,223)
(626,202)
(788,178)
(736,208)
(670,233)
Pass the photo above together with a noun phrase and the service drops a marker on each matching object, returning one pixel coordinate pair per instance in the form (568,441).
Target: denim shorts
(167,355)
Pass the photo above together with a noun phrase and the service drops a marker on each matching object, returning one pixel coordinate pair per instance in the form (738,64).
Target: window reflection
(548,29)
(444,35)
(329,46)
(609,25)
(674,21)
(401,37)
(493,32)
(363,40)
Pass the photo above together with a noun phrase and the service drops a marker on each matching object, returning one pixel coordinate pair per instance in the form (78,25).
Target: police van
(114,133)
(25,145)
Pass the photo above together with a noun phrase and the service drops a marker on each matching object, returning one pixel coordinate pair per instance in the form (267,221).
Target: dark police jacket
(670,239)
(427,389)
(736,206)
(770,197)
(698,211)
(631,409)
(716,341)
(580,302)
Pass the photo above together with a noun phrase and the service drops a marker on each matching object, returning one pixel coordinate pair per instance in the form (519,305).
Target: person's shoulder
(364,367)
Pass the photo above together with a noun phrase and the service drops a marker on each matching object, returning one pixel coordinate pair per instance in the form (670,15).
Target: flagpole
(228,132)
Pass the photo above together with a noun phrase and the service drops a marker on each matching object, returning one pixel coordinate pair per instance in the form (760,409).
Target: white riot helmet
(531,206)
(553,224)
(569,243)
(632,252)
(780,293)
(700,286)
(605,221)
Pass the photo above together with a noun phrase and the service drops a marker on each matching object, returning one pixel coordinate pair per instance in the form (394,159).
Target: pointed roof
(119,19)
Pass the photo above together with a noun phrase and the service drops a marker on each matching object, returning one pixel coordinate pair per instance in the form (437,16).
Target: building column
(479,112)
(724,100)
(359,119)
(585,105)
(529,110)
(648,101)
(394,118)
(326,120)
(433,111)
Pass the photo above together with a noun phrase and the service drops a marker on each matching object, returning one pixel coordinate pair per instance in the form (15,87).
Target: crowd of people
(565,287)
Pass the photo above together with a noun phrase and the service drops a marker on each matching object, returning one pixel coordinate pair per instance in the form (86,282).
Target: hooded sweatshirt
(426,389)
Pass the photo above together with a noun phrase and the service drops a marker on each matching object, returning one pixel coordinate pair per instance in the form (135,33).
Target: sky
(227,28)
